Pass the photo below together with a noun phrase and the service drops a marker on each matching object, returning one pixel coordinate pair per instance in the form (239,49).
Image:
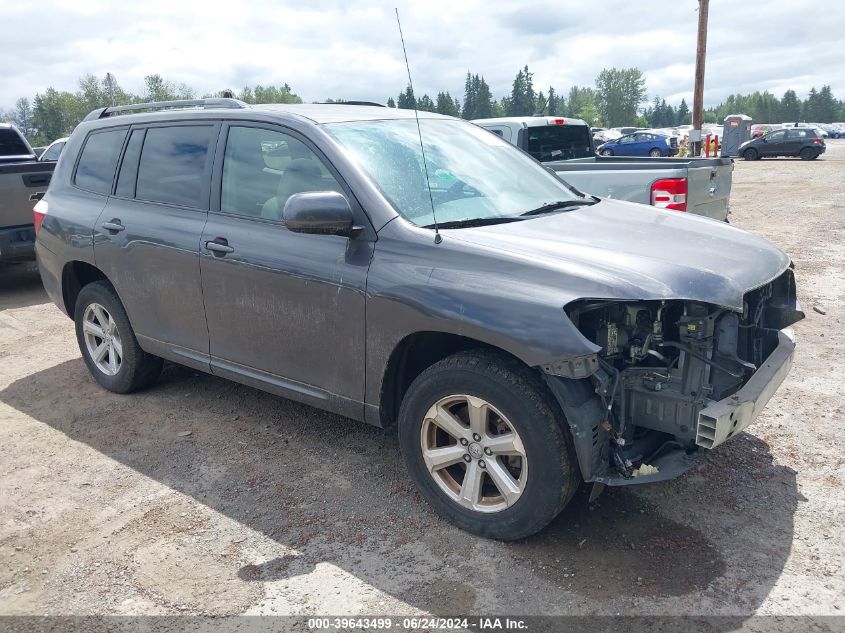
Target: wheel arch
(75,276)
(414,354)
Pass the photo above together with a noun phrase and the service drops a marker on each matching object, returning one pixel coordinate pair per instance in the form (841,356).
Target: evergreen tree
(426,104)
(469,98)
(551,102)
(790,107)
(447,105)
(682,117)
(391,103)
(406,99)
(541,105)
(522,101)
(826,106)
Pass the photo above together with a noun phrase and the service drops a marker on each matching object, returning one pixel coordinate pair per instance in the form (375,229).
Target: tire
(808,153)
(123,367)
(607,152)
(655,153)
(750,154)
(542,479)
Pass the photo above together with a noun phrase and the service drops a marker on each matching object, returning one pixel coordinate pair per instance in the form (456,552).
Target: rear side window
(11,144)
(95,171)
(173,164)
(559,142)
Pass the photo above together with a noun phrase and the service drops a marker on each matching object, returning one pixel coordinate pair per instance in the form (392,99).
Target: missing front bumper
(723,419)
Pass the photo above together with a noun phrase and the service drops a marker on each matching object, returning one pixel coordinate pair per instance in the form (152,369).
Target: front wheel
(107,342)
(749,154)
(606,152)
(486,446)
(655,153)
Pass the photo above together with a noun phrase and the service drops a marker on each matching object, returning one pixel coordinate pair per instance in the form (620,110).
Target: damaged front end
(672,379)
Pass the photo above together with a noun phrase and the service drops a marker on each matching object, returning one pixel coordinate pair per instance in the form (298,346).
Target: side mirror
(319,213)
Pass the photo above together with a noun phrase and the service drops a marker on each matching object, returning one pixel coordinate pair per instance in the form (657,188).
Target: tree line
(617,98)
(53,113)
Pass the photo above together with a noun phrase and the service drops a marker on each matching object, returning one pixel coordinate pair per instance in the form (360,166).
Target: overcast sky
(351,49)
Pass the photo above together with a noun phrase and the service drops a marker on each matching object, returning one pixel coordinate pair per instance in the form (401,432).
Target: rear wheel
(107,342)
(750,154)
(486,447)
(655,153)
(808,153)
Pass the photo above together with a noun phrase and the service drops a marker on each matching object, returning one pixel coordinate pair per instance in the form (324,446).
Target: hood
(622,250)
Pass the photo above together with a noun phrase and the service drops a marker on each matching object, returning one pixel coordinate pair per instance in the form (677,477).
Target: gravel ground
(201,496)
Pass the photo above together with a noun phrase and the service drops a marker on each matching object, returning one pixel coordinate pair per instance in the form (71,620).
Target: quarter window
(53,152)
(173,165)
(98,161)
(263,168)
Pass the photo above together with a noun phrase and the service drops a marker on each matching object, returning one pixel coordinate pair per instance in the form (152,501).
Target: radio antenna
(437,237)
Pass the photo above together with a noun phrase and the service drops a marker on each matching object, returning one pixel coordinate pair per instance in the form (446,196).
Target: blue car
(639,144)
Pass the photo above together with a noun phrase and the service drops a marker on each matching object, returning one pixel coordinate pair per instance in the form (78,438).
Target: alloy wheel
(474,453)
(102,340)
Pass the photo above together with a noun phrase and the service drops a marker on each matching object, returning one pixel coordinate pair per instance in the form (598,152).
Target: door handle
(114,226)
(219,245)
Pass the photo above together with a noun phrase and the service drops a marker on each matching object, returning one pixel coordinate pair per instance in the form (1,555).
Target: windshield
(473,174)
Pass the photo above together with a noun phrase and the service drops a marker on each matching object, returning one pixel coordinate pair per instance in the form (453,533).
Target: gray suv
(521,336)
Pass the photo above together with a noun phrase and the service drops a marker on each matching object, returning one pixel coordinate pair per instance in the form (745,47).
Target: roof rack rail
(358,103)
(102,113)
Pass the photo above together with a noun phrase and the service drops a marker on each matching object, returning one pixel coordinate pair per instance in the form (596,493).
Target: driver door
(774,143)
(285,310)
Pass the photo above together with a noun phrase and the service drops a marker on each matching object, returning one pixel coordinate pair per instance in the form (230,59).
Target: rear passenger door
(795,139)
(147,237)
(285,310)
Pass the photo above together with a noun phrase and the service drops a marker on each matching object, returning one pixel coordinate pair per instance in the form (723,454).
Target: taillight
(39,211)
(670,193)
(816,139)
(557,121)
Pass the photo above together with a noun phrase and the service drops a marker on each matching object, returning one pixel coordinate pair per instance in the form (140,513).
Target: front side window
(173,164)
(627,139)
(263,168)
(98,161)
(776,136)
(472,174)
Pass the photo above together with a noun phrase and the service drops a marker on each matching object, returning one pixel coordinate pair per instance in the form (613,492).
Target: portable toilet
(736,131)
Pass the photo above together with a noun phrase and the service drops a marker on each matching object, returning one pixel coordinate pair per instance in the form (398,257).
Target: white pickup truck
(696,185)
(23,180)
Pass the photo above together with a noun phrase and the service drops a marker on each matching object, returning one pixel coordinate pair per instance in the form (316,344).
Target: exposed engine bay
(662,362)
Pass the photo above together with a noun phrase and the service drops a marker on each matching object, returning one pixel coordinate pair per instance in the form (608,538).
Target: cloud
(329,48)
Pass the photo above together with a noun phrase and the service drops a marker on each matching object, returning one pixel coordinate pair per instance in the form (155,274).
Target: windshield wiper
(462,224)
(561,204)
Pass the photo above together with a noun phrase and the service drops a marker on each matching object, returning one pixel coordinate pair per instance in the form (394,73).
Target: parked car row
(822,130)
(422,274)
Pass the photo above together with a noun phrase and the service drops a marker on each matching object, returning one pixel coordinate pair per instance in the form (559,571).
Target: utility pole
(700,54)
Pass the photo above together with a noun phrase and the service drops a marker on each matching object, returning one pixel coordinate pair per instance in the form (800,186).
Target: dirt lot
(109,506)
